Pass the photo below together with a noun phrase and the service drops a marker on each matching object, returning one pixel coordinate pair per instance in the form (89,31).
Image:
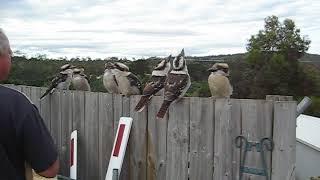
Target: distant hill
(308,58)
(311,58)
(228,57)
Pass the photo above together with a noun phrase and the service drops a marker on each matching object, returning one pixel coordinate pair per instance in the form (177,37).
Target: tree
(273,54)
(279,37)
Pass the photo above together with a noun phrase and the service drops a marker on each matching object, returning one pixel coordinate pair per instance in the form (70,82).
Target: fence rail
(195,140)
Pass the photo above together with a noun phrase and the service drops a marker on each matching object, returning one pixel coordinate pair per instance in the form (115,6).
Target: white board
(119,146)
(73,154)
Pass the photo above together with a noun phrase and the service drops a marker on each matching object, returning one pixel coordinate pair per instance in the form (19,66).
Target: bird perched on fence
(218,81)
(177,83)
(62,80)
(109,79)
(158,77)
(80,80)
(128,83)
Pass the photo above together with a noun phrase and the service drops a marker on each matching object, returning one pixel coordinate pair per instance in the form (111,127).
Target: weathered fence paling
(195,140)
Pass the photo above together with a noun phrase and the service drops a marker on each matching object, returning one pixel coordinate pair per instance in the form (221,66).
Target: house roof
(308,130)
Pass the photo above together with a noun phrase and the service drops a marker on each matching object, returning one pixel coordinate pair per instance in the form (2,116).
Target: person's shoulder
(12,95)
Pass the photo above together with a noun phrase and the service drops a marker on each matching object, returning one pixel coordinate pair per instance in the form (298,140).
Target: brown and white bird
(128,83)
(218,81)
(158,77)
(109,78)
(62,80)
(80,81)
(176,84)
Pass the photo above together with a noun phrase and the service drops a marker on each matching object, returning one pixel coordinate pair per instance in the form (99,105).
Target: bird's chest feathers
(77,79)
(108,74)
(123,81)
(108,77)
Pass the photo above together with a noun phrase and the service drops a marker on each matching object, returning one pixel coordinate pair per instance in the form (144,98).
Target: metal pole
(115,174)
(303,105)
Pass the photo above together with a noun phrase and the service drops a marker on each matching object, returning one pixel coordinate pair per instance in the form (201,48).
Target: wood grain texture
(223,141)
(236,127)
(66,129)
(201,138)
(157,141)
(92,135)
(106,132)
(256,124)
(125,172)
(78,123)
(35,94)
(45,109)
(178,140)
(284,136)
(278,98)
(55,116)
(138,142)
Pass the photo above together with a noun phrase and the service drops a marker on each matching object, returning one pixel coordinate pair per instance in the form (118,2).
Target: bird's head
(121,67)
(179,63)
(78,70)
(66,66)
(220,68)
(109,65)
(164,65)
(68,72)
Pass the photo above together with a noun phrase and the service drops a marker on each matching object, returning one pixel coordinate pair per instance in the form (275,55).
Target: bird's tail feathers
(142,103)
(49,90)
(163,109)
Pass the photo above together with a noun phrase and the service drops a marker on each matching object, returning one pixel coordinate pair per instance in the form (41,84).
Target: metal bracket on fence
(115,174)
(265,144)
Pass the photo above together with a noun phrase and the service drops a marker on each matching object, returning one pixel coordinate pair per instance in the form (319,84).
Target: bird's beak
(108,65)
(72,67)
(211,69)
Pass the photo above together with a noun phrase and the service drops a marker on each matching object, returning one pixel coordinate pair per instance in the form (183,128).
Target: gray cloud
(165,33)
(147,28)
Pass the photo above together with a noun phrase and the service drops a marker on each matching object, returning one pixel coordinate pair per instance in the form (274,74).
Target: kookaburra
(80,81)
(218,81)
(62,80)
(158,77)
(176,84)
(128,83)
(109,78)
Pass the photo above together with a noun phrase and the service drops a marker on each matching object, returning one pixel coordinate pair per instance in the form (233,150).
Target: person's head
(5,56)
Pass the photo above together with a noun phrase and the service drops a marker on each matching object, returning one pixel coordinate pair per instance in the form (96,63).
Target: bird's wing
(174,86)
(155,85)
(86,77)
(58,79)
(134,81)
(115,80)
(54,83)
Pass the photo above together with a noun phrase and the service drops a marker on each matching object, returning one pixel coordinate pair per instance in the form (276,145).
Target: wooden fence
(195,140)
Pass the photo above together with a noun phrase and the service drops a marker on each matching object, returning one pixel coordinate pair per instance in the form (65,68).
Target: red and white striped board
(73,154)
(119,146)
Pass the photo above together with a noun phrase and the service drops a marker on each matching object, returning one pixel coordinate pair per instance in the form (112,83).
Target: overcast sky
(143,28)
